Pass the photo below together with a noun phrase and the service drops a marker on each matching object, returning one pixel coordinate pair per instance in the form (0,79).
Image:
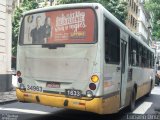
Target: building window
(131,19)
(135,25)
(138,12)
(136,9)
(133,22)
(130,2)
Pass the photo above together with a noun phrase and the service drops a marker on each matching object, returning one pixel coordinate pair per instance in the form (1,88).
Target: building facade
(138,20)
(5,44)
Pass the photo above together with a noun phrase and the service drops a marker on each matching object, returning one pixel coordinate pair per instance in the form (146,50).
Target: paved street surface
(145,110)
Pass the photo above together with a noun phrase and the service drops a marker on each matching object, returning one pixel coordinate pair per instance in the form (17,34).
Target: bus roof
(62,6)
(80,5)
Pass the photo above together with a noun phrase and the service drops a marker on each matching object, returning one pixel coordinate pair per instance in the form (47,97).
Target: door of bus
(124,64)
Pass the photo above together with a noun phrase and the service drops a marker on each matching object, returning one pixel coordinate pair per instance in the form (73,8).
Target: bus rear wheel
(132,100)
(148,94)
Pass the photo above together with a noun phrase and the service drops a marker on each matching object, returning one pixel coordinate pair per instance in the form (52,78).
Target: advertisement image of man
(47,29)
(37,33)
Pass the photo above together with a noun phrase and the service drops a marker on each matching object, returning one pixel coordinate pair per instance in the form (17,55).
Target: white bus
(86,60)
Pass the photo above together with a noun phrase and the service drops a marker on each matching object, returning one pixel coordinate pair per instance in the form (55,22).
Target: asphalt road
(145,109)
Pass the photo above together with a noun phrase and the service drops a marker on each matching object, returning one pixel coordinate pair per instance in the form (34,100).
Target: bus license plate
(53,85)
(73,93)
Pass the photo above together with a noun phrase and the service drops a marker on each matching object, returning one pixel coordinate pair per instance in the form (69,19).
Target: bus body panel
(71,68)
(96,105)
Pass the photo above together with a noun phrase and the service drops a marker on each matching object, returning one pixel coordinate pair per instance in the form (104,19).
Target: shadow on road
(67,114)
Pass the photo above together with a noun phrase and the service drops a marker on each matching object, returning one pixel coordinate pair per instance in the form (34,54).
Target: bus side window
(134,57)
(112,43)
(107,57)
(133,51)
(140,55)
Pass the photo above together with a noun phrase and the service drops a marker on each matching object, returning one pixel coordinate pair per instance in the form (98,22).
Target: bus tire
(132,100)
(148,94)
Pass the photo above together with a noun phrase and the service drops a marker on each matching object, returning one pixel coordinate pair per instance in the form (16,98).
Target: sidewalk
(6,97)
(9,96)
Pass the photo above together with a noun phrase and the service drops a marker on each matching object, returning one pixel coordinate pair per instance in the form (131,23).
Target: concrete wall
(5,82)
(5,44)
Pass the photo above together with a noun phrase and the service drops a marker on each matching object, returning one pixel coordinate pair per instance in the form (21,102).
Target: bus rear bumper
(94,105)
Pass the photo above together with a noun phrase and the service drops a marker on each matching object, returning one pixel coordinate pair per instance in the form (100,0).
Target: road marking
(142,108)
(156,91)
(24,111)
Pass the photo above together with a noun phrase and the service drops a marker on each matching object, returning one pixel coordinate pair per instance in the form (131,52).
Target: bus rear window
(59,27)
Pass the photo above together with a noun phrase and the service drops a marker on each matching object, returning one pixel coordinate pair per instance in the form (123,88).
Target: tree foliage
(118,9)
(154,7)
(25,6)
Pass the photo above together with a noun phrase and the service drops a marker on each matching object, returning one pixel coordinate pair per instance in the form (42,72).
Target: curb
(8,101)
(7,97)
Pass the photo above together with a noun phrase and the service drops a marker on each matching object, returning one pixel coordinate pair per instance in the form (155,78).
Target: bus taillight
(20,80)
(18,73)
(92,86)
(94,78)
